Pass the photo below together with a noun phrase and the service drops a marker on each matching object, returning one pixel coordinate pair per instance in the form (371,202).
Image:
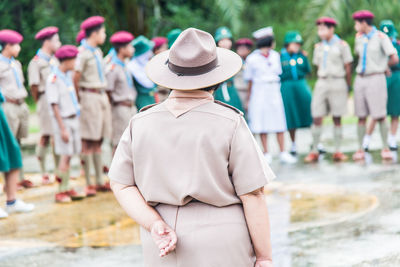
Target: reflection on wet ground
(321,215)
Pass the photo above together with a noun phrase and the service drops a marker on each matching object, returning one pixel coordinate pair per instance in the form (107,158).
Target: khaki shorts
(42,108)
(329,97)
(370,96)
(95,116)
(74,145)
(121,115)
(17,118)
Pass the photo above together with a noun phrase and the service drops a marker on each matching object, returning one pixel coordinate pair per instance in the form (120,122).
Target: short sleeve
(121,169)
(33,73)
(315,60)
(387,46)
(111,79)
(248,71)
(52,93)
(80,62)
(346,53)
(247,166)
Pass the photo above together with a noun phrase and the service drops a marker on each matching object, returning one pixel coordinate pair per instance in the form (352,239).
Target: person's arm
(132,201)
(348,69)
(393,60)
(64,133)
(256,213)
(35,91)
(249,85)
(76,79)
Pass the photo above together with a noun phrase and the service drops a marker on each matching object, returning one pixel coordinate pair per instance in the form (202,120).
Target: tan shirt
(58,92)
(190,147)
(331,58)
(86,64)
(8,83)
(38,71)
(117,83)
(378,50)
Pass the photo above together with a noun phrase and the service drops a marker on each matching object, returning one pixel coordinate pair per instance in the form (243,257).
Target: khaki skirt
(207,236)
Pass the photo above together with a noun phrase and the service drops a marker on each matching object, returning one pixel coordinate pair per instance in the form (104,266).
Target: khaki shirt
(38,71)
(190,147)
(331,58)
(86,64)
(117,83)
(379,49)
(8,83)
(58,92)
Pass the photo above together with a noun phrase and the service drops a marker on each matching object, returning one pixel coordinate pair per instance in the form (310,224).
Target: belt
(126,103)
(331,77)
(92,90)
(15,101)
(370,74)
(70,116)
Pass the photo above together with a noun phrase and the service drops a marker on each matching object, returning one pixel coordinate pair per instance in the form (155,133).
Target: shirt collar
(180,102)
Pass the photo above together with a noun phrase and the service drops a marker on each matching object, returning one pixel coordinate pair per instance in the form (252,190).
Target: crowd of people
(83,98)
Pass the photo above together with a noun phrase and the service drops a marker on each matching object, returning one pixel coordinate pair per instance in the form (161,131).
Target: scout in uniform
(243,49)
(333,58)
(39,69)
(161,45)
(266,113)
(90,80)
(12,87)
(10,164)
(376,53)
(146,90)
(120,87)
(227,93)
(295,91)
(65,110)
(393,85)
(172,35)
(203,205)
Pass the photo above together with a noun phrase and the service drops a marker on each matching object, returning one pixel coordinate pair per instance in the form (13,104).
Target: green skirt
(144,99)
(393,86)
(10,154)
(296,97)
(230,97)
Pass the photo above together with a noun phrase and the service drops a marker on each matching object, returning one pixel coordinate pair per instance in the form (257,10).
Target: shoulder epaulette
(228,106)
(358,34)
(148,107)
(54,79)
(381,34)
(36,57)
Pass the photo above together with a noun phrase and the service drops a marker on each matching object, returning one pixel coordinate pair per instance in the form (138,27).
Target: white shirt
(261,69)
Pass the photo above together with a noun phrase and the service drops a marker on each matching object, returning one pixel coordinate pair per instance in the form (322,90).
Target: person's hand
(263,263)
(388,72)
(164,237)
(64,135)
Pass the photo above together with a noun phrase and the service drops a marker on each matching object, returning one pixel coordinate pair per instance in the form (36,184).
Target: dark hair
(245,45)
(327,24)
(46,38)
(118,46)
(369,21)
(64,59)
(265,42)
(91,30)
(212,87)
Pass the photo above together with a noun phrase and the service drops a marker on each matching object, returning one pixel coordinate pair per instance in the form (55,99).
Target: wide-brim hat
(193,62)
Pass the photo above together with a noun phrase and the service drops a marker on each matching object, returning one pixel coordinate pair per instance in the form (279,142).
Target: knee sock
(41,155)
(98,167)
(361,130)
(383,128)
(316,134)
(337,136)
(64,185)
(85,160)
(56,158)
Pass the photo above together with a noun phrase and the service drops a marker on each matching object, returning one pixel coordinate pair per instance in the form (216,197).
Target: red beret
(121,37)
(363,14)
(46,32)
(66,51)
(326,20)
(244,41)
(159,41)
(10,37)
(92,22)
(80,36)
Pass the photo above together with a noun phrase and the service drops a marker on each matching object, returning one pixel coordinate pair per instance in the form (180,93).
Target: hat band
(192,71)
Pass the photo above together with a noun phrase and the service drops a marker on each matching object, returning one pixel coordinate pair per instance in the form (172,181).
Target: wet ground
(322,214)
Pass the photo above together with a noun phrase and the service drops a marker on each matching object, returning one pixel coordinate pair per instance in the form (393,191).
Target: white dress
(266,113)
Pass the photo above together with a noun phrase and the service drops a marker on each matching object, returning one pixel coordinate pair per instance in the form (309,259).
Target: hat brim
(229,64)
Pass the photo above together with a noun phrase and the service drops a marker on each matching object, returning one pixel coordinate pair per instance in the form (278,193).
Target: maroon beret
(80,36)
(326,20)
(244,41)
(159,41)
(10,37)
(46,32)
(92,22)
(66,51)
(121,37)
(363,14)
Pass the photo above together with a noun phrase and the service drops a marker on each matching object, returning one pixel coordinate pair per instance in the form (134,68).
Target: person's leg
(337,132)
(383,129)
(41,155)
(97,162)
(361,131)
(394,123)
(64,172)
(14,204)
(264,142)
(293,149)
(86,159)
(316,131)
(281,141)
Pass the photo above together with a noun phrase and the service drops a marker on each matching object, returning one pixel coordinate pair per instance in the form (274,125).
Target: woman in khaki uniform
(204,203)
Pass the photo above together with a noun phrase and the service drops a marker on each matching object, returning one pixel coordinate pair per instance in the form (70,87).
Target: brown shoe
(386,154)
(90,191)
(75,195)
(26,184)
(339,157)
(63,198)
(312,157)
(104,188)
(359,155)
